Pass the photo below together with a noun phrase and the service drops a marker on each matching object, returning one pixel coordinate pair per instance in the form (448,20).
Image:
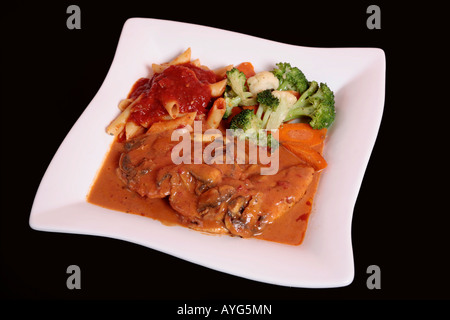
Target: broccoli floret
(267,99)
(231,101)
(291,78)
(236,81)
(246,125)
(245,120)
(317,103)
(268,103)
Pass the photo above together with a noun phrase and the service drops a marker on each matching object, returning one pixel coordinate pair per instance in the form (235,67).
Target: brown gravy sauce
(108,191)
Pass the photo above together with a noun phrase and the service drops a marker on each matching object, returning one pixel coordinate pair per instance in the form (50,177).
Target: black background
(50,74)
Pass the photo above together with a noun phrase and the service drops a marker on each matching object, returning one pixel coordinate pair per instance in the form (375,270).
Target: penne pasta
(173,109)
(196,63)
(218,88)
(185,57)
(167,117)
(182,58)
(117,125)
(122,127)
(169,125)
(132,129)
(201,66)
(222,72)
(216,113)
(124,104)
(158,68)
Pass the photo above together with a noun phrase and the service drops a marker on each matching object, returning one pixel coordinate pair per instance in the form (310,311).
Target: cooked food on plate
(231,151)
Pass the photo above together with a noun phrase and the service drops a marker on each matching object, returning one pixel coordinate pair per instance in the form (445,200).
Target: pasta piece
(222,72)
(182,58)
(196,63)
(170,125)
(167,117)
(132,129)
(124,104)
(172,107)
(117,125)
(215,114)
(158,68)
(218,88)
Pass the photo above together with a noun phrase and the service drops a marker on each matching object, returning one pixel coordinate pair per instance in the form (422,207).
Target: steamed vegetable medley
(268,99)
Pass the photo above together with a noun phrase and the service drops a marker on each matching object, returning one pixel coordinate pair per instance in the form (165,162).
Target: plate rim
(344,279)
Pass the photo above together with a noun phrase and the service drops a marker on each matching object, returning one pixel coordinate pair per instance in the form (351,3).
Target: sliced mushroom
(244,223)
(215,197)
(236,206)
(205,173)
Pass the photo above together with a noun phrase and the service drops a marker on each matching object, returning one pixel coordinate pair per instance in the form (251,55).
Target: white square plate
(325,258)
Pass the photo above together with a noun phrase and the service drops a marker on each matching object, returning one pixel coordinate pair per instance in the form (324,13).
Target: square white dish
(325,258)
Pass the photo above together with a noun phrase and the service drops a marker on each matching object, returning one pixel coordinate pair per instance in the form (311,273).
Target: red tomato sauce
(185,83)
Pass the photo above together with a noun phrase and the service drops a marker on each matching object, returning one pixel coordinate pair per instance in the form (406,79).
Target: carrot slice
(249,107)
(247,68)
(307,154)
(301,132)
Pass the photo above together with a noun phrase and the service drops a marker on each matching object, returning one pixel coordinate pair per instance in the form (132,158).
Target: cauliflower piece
(262,81)
(287,100)
(285,96)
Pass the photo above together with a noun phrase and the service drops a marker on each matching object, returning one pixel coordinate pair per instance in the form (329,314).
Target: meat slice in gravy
(224,198)
(268,199)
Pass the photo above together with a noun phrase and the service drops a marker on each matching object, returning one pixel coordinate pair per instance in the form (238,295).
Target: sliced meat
(270,198)
(218,198)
